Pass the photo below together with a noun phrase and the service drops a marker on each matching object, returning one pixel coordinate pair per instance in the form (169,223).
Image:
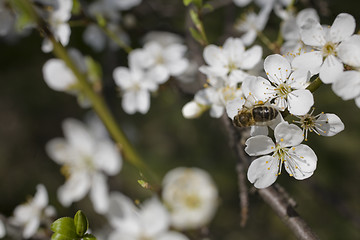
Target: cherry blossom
(151,221)
(191,196)
(298,159)
(86,161)
(32,214)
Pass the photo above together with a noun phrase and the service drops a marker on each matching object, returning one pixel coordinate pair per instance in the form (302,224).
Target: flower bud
(81,223)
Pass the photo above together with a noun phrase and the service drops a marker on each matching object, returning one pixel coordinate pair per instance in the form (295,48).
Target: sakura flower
(347,86)
(325,124)
(191,196)
(150,222)
(284,88)
(32,214)
(290,30)
(231,59)
(58,24)
(326,42)
(251,23)
(298,159)
(87,160)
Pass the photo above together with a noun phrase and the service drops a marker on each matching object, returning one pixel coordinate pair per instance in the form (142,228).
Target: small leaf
(196,35)
(81,223)
(198,3)
(89,237)
(187,2)
(195,18)
(208,6)
(144,184)
(64,226)
(58,236)
(76,9)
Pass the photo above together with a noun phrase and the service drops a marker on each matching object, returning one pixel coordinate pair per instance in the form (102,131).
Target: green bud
(89,237)
(81,223)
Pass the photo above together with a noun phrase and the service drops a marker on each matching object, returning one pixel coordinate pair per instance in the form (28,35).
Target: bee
(258,114)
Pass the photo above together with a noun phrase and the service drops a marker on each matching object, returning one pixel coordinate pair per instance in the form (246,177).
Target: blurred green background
(31,115)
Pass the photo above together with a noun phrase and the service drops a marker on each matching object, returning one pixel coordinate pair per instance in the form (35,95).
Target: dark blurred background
(31,115)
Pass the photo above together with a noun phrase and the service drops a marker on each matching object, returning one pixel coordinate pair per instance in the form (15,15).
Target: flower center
(192,201)
(283,90)
(329,49)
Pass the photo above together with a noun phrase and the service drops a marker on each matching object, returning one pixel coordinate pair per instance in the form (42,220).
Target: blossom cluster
(272,94)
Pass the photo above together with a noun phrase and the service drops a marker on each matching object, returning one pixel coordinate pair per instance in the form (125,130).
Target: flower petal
(31,227)
(2,229)
(214,56)
(59,150)
(342,28)
(129,103)
(143,101)
(305,161)
(329,124)
(259,130)
(349,51)
(259,145)
(288,135)
(122,77)
(153,217)
(74,189)
(41,199)
(263,171)
(78,136)
(300,101)
(331,69)
(277,68)
(251,57)
(347,86)
(233,107)
(312,33)
(107,157)
(99,194)
(57,75)
(172,235)
(310,61)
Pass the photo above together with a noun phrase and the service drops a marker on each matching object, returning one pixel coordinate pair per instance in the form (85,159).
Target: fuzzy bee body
(256,115)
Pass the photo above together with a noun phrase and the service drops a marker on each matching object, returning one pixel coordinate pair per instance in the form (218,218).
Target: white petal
(99,194)
(172,236)
(233,107)
(107,157)
(310,61)
(57,75)
(259,145)
(59,150)
(357,102)
(120,235)
(63,32)
(263,171)
(47,45)
(31,227)
(259,130)
(305,161)
(305,14)
(234,48)
(300,101)
(78,136)
(241,3)
(288,135)
(129,102)
(123,215)
(349,51)
(260,88)
(94,37)
(160,74)
(331,69)
(277,68)
(154,217)
(192,110)
(299,79)
(143,101)
(347,86)
(342,28)
(214,56)
(41,199)
(312,33)
(251,57)
(216,111)
(2,229)
(177,68)
(249,37)
(122,77)
(329,124)
(74,189)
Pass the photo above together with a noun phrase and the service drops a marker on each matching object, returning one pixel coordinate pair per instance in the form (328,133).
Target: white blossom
(326,42)
(32,214)
(325,124)
(2,229)
(151,221)
(86,161)
(191,196)
(58,21)
(284,88)
(298,159)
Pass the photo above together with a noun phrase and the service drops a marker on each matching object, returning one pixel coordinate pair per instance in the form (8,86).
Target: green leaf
(58,236)
(81,223)
(89,237)
(144,184)
(187,2)
(195,18)
(76,9)
(208,6)
(196,35)
(198,3)
(65,226)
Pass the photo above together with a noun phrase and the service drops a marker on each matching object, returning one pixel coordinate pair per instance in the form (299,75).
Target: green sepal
(58,236)
(76,9)
(89,237)
(65,226)
(81,223)
(196,35)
